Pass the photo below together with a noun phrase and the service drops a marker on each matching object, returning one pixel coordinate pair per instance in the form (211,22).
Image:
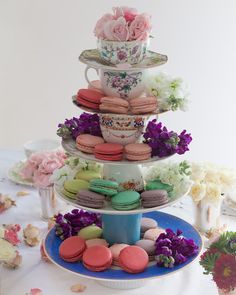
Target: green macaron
(90,232)
(126,200)
(87,175)
(73,186)
(105,187)
(157,184)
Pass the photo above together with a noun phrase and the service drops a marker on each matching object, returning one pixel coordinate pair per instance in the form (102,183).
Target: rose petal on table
(31,235)
(22,193)
(35,291)
(77,288)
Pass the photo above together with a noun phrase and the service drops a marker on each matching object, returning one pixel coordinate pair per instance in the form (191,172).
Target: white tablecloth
(35,273)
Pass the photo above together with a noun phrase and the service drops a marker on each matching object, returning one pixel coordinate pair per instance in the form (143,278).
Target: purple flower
(72,222)
(163,142)
(86,123)
(171,244)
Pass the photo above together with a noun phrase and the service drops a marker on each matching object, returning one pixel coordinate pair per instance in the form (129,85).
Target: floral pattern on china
(122,123)
(123,82)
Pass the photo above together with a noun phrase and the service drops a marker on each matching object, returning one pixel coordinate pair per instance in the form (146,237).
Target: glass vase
(207,215)
(48,202)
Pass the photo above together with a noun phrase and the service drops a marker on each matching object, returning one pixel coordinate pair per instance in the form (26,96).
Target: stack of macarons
(114,105)
(104,187)
(89,98)
(126,200)
(154,198)
(137,151)
(73,186)
(87,142)
(143,105)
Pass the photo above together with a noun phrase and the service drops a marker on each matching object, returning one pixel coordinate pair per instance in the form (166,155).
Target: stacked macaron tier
(86,142)
(137,151)
(71,249)
(126,200)
(97,258)
(154,198)
(104,187)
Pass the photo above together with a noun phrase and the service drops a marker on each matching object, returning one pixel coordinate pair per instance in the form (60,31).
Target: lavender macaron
(148,246)
(90,199)
(146,224)
(154,198)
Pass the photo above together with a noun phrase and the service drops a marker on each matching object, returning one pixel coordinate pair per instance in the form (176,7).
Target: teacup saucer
(91,57)
(13,174)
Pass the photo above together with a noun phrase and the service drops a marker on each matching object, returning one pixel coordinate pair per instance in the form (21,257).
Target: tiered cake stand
(121,226)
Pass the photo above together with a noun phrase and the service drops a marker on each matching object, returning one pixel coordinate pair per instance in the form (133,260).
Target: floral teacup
(115,52)
(122,129)
(126,84)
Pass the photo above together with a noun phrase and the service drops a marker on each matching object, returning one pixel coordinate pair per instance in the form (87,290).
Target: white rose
(198,191)
(213,193)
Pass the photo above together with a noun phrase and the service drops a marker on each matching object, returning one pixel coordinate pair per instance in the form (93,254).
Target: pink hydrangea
(140,27)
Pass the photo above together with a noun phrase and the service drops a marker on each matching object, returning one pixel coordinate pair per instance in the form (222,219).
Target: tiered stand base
(115,277)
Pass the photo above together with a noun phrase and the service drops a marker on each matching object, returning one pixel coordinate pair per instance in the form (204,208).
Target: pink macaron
(89,98)
(86,142)
(114,105)
(71,249)
(115,250)
(109,151)
(137,151)
(153,233)
(97,258)
(133,259)
(143,105)
(96,242)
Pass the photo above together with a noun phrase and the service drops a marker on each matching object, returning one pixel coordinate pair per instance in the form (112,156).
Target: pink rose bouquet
(40,166)
(125,24)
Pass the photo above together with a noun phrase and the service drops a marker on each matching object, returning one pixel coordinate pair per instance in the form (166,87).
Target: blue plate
(52,243)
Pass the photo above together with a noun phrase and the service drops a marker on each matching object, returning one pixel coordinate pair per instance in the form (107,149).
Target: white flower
(198,172)
(198,191)
(170,92)
(213,193)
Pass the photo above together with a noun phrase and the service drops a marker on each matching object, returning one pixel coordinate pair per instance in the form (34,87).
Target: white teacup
(126,84)
(40,145)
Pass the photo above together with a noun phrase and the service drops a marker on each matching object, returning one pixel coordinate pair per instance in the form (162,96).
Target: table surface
(35,273)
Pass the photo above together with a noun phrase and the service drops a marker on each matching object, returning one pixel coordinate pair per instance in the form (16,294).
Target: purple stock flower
(86,123)
(163,142)
(171,246)
(72,222)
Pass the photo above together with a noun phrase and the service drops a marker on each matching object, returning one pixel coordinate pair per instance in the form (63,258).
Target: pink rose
(36,158)
(27,171)
(12,237)
(140,27)
(49,165)
(41,180)
(128,13)
(116,30)
(99,28)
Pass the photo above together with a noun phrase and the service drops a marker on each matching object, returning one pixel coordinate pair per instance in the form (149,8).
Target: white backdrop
(40,41)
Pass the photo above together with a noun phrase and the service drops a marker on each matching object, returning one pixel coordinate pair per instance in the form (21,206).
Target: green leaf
(208,262)
(226,243)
